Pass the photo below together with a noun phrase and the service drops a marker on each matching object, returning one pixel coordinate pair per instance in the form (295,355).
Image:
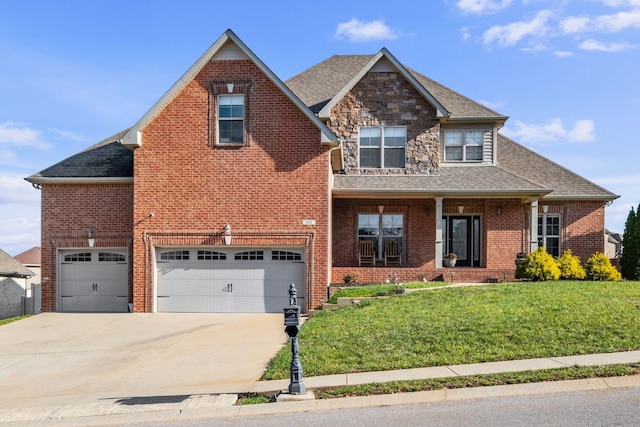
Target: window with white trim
(379,228)
(383,147)
(230,119)
(549,233)
(463,145)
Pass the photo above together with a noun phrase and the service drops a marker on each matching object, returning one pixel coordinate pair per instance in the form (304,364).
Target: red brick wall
(504,235)
(261,190)
(582,227)
(68,211)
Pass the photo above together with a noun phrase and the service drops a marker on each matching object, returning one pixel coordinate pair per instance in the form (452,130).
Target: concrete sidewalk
(207,405)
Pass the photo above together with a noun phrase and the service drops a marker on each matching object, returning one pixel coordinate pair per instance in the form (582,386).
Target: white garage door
(228,281)
(94,280)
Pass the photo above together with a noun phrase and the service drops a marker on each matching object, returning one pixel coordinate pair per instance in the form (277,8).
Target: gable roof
(29,257)
(9,267)
(106,161)
(379,58)
(326,83)
(133,138)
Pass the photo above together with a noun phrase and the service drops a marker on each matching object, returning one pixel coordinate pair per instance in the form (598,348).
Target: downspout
(330,218)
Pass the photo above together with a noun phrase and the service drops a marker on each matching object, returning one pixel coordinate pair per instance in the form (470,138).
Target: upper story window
(230,119)
(229,113)
(383,147)
(463,145)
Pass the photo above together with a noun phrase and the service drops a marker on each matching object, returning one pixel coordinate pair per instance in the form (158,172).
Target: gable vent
(230,51)
(383,66)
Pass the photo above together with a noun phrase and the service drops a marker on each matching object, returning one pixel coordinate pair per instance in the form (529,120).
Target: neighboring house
(13,284)
(31,259)
(235,184)
(613,246)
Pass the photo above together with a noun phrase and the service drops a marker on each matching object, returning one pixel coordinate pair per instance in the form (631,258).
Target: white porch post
(439,232)
(533,243)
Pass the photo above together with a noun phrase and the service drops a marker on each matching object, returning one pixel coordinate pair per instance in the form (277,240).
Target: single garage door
(94,280)
(228,281)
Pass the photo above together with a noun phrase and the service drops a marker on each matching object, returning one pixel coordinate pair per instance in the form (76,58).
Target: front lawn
(467,325)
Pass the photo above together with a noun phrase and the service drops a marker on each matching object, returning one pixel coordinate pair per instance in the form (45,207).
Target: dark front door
(463,234)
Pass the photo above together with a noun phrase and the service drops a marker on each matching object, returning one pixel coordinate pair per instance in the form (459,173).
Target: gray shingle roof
(320,83)
(9,267)
(519,172)
(487,181)
(106,159)
(521,161)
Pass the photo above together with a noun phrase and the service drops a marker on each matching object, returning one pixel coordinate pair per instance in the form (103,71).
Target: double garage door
(93,280)
(241,280)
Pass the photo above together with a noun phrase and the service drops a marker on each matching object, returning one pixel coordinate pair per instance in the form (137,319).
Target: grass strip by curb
(507,378)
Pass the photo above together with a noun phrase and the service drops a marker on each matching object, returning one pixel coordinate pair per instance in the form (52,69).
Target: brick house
(235,184)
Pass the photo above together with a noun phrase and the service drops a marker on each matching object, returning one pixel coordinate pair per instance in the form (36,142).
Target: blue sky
(75,72)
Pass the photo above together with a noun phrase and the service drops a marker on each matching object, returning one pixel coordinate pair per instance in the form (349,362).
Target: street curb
(200,411)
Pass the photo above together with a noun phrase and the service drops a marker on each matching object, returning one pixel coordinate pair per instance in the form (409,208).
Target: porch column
(533,227)
(438,257)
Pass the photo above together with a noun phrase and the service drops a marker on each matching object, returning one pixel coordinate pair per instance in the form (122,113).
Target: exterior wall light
(545,208)
(230,87)
(380,208)
(460,209)
(226,232)
(499,210)
(90,239)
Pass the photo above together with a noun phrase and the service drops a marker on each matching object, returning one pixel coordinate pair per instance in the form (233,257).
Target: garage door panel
(228,284)
(93,280)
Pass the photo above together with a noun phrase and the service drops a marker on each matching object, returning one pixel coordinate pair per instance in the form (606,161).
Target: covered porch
(485,234)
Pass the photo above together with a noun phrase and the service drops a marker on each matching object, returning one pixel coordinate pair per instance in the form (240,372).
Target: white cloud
(358,31)
(482,7)
(73,136)
(619,21)
(582,131)
(19,214)
(20,233)
(510,34)
(13,188)
(19,135)
(575,24)
(591,45)
(562,53)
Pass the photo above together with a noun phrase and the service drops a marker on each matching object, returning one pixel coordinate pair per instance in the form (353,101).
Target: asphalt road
(611,407)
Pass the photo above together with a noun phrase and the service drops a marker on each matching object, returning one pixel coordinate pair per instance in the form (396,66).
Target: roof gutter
(428,194)
(78,180)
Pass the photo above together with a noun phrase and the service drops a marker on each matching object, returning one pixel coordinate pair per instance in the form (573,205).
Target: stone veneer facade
(387,99)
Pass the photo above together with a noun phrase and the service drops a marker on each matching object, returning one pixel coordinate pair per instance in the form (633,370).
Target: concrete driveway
(58,359)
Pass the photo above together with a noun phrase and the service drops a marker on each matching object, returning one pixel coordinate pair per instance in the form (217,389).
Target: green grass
(557,374)
(12,319)
(469,325)
(378,290)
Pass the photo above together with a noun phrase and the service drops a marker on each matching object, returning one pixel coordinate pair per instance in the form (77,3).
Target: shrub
(351,278)
(538,266)
(599,267)
(570,267)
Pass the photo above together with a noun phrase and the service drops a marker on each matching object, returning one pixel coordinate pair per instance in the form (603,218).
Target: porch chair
(366,254)
(392,252)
